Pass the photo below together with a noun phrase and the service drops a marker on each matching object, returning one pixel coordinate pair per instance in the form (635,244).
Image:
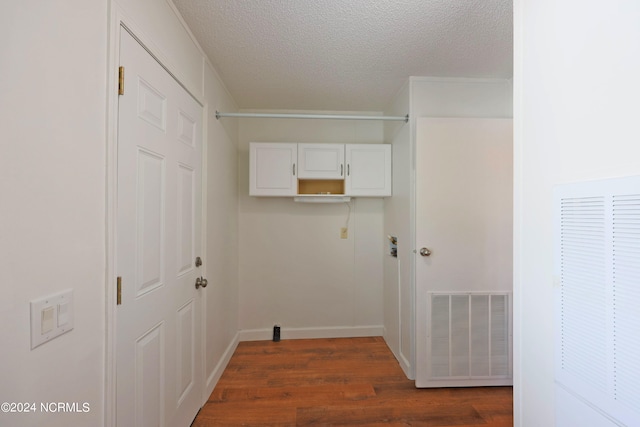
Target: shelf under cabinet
(321,186)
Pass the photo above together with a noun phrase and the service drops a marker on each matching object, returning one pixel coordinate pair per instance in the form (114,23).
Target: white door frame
(118,19)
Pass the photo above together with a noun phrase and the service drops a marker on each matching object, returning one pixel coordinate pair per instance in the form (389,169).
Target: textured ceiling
(347,54)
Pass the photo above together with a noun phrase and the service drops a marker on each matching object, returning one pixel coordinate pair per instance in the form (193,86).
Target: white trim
(412,233)
(518,142)
(311,333)
(203,252)
(111,179)
(217,372)
(402,361)
(385,335)
(406,367)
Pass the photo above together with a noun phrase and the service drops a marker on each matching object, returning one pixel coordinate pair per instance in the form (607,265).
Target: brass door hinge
(119,291)
(121,81)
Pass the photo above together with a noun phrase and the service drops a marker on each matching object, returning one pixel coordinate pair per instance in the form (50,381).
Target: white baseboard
(406,366)
(307,333)
(215,375)
(402,361)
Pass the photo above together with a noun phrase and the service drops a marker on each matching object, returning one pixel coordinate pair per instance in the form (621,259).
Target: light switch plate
(63,313)
(51,316)
(46,325)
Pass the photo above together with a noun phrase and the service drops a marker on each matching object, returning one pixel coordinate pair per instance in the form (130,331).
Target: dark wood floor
(340,382)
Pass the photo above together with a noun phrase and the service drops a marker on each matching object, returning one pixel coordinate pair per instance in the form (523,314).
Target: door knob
(201,282)
(425,252)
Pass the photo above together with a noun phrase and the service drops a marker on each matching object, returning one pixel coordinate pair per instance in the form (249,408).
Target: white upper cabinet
(272,169)
(321,161)
(368,170)
(290,169)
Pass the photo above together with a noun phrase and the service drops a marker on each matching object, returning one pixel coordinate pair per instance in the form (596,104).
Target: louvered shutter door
(597,296)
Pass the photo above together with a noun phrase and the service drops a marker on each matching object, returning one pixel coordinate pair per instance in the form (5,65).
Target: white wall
(440,97)
(294,268)
(166,35)
(428,97)
(53,233)
(52,212)
(576,92)
(221,261)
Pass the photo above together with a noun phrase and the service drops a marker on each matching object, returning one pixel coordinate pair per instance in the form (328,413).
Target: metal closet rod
(311,116)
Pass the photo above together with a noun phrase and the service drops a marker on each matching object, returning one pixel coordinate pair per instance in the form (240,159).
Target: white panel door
(158,362)
(321,161)
(368,170)
(464,218)
(272,169)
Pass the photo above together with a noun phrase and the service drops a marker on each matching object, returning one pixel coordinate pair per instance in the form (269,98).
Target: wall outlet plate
(344,233)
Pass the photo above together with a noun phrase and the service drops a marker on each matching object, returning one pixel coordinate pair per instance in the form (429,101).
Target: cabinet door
(368,170)
(321,161)
(272,169)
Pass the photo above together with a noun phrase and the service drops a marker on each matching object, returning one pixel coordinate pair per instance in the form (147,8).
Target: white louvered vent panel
(597,297)
(499,335)
(469,336)
(583,294)
(440,336)
(480,338)
(459,335)
(626,299)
